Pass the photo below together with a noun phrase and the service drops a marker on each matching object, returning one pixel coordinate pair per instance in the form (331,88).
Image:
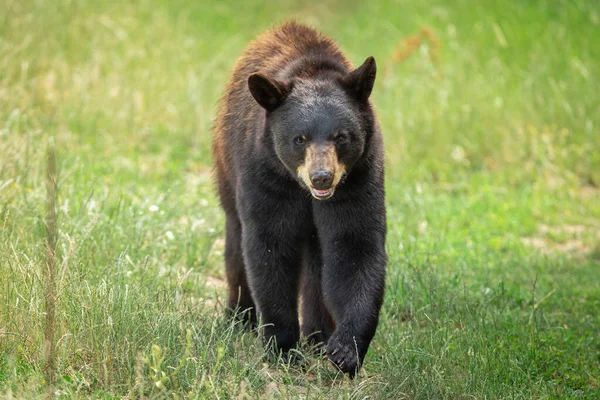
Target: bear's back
(275,49)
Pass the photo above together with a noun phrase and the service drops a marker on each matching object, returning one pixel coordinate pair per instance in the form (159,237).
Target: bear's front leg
(273,257)
(352,234)
(317,323)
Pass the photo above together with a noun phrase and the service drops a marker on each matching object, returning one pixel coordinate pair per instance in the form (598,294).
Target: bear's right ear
(269,93)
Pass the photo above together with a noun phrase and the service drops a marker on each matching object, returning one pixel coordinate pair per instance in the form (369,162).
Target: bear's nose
(321,179)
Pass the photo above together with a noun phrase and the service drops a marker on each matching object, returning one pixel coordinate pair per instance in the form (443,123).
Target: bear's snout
(321,179)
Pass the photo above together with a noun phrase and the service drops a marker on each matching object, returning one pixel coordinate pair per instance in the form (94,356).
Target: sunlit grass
(492,182)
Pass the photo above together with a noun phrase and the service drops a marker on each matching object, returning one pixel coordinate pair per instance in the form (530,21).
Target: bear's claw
(343,356)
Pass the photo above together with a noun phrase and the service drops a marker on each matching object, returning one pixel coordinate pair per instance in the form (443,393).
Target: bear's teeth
(322,192)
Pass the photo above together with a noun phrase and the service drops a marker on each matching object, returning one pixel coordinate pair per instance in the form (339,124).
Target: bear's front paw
(344,355)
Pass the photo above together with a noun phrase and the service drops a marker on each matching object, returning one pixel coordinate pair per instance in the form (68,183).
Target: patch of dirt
(216,288)
(573,245)
(536,242)
(589,192)
(276,387)
(563,229)
(215,283)
(547,246)
(217,250)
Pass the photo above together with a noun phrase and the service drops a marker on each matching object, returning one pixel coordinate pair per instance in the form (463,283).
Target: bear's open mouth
(322,194)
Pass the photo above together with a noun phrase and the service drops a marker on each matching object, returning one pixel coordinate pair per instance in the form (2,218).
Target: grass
(493,168)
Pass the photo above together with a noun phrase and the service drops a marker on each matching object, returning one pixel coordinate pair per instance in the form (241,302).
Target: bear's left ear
(360,81)
(267,92)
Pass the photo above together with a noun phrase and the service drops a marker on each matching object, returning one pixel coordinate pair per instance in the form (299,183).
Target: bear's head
(319,126)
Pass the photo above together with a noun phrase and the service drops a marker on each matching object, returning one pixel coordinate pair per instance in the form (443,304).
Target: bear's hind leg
(240,299)
(317,323)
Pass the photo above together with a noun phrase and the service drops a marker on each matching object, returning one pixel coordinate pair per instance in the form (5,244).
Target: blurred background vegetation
(491,116)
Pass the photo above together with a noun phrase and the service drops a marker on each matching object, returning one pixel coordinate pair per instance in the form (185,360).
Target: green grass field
(492,128)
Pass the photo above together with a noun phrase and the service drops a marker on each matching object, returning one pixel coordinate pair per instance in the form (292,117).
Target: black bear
(299,167)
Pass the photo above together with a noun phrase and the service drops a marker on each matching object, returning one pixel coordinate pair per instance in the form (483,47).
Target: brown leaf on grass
(406,48)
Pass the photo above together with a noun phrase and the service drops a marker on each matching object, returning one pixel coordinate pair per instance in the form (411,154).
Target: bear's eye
(341,138)
(299,140)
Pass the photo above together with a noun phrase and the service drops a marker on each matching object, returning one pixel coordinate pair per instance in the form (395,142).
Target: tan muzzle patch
(321,157)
